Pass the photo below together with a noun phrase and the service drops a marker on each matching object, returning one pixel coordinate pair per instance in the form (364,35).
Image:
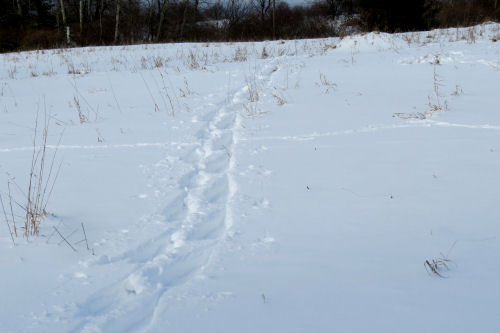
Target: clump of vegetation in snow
(42,177)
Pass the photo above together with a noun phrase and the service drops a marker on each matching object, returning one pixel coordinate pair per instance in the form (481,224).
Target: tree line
(30,24)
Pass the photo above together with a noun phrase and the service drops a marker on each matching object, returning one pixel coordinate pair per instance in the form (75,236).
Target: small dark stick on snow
(85,234)
(71,246)
(68,236)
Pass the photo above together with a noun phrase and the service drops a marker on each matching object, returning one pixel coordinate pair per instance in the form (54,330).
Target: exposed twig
(435,266)
(149,91)
(71,246)
(69,235)
(96,113)
(114,95)
(166,91)
(49,194)
(11,209)
(159,90)
(85,234)
(7,221)
(50,236)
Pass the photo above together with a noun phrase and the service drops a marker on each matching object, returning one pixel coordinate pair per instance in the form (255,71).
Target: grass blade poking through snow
(42,179)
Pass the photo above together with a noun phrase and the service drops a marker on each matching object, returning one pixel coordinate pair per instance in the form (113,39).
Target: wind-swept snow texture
(288,186)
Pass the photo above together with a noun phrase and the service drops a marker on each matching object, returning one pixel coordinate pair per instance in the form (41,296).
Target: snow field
(222,190)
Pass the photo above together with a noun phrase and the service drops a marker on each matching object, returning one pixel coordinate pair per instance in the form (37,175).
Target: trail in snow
(101,146)
(200,216)
(300,137)
(373,128)
(175,256)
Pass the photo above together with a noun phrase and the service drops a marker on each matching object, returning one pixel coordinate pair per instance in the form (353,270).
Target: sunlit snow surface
(288,186)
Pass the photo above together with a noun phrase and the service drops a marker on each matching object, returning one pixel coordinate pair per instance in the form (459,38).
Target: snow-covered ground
(288,186)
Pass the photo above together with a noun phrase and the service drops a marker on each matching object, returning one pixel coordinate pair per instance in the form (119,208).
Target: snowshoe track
(199,214)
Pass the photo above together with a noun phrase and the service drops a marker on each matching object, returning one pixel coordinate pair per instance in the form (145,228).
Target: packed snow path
(199,216)
(289,186)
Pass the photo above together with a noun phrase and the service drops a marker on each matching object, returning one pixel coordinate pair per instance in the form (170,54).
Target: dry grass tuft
(81,116)
(325,84)
(42,178)
(437,266)
(279,100)
(253,89)
(264,54)
(240,54)
(436,102)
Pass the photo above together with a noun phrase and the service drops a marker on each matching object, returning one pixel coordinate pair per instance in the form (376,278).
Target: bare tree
(215,11)
(184,17)
(196,10)
(263,8)
(63,14)
(100,11)
(89,10)
(236,10)
(117,21)
(19,8)
(332,7)
(80,10)
(163,9)
(274,19)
